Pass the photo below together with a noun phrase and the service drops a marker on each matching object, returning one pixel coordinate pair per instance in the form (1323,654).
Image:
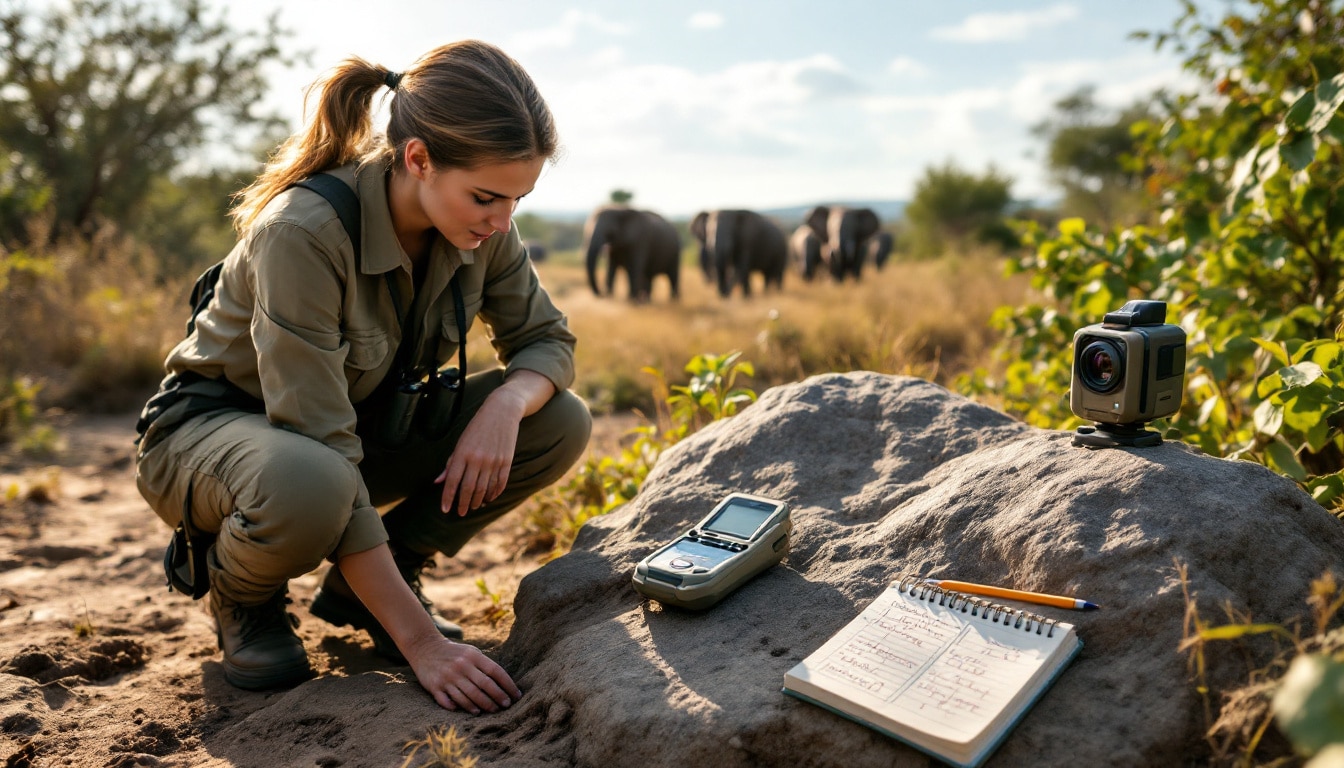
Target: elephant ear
(816,220)
(868,223)
(698,225)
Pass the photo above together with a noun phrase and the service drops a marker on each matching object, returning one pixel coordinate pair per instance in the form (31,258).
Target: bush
(1249,256)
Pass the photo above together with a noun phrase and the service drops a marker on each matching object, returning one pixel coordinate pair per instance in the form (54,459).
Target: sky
(764,103)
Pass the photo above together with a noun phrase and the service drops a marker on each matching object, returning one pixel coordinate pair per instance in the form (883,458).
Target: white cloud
(994,27)
(606,58)
(904,65)
(564,34)
(628,122)
(705,20)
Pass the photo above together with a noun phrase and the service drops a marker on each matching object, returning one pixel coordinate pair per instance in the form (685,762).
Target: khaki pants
(281,502)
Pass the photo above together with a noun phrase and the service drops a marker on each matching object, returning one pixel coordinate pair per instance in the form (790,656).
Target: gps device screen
(742,536)
(740,519)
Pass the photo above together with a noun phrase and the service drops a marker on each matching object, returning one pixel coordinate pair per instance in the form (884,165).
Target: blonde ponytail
(339,130)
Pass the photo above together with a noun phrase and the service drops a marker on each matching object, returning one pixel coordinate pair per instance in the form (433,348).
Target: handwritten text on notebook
(935,667)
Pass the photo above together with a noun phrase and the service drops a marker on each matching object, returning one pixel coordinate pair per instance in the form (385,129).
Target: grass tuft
(442,748)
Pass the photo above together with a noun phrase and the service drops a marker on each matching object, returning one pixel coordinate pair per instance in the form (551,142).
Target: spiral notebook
(948,673)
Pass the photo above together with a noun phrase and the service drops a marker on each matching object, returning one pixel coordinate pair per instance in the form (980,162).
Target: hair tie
(392,79)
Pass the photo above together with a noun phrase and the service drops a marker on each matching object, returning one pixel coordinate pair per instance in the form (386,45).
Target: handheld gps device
(742,536)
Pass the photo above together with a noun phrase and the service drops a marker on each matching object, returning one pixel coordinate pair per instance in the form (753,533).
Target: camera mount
(1131,435)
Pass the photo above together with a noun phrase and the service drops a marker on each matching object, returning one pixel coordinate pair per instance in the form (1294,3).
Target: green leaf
(1300,375)
(1318,434)
(1309,705)
(1306,407)
(1282,457)
(1336,128)
(1299,150)
(1274,348)
(1300,112)
(1329,98)
(1271,384)
(1268,418)
(1326,488)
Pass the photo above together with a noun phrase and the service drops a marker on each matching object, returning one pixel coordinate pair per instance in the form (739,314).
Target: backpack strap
(343,199)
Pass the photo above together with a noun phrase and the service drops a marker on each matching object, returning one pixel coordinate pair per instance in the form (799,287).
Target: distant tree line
(109,106)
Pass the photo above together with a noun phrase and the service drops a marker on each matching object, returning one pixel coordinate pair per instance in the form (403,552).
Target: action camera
(1127,370)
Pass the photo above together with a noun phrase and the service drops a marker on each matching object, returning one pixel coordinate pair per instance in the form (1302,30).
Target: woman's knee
(570,421)
(557,435)
(305,493)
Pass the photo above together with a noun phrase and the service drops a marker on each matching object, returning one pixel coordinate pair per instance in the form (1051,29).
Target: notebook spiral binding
(977,606)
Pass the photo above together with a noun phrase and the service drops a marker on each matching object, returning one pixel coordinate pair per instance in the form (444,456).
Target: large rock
(891,475)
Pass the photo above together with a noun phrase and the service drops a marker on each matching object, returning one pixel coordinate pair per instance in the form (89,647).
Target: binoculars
(428,406)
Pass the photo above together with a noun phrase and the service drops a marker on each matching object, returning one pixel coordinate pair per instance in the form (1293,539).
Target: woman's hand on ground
(459,676)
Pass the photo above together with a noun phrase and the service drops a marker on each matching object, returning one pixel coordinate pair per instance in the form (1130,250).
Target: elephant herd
(734,244)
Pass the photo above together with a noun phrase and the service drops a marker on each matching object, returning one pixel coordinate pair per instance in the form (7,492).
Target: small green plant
(604,483)
(499,609)
(443,748)
(84,627)
(18,407)
(1300,689)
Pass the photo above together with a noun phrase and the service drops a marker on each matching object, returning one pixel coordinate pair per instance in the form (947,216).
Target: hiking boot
(336,603)
(261,649)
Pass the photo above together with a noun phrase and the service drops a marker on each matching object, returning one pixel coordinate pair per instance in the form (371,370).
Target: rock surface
(100,666)
(890,475)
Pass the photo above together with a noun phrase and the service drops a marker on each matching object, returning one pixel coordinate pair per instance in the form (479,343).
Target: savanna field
(1224,200)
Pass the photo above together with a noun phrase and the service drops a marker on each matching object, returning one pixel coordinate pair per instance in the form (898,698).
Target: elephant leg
(639,281)
(672,278)
(611,276)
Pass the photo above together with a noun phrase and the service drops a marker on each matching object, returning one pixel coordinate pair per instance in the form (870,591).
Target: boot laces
(255,620)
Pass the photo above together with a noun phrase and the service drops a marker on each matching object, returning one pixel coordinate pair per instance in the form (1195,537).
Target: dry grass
(89,320)
(94,324)
(926,319)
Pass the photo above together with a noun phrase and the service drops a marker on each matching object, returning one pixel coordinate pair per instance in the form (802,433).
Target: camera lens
(1101,365)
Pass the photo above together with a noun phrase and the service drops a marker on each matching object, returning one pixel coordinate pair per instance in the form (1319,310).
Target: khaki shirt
(295,323)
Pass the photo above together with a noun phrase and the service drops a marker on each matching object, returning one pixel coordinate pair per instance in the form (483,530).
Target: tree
(103,97)
(1090,157)
(954,208)
(622,196)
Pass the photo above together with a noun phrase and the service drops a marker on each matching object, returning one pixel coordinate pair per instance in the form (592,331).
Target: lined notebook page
(942,671)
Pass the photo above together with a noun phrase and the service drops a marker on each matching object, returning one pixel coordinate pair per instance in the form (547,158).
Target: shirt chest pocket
(367,349)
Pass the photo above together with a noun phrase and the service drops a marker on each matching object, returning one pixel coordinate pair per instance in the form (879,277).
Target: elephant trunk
(594,249)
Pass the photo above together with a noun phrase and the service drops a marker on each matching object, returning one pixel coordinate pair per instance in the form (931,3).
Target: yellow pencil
(1013,594)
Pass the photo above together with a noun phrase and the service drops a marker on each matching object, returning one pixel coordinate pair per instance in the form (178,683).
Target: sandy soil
(100,665)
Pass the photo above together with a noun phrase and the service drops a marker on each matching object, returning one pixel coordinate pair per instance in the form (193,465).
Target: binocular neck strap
(460,317)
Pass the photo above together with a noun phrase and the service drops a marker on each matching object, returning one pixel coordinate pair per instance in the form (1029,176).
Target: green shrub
(604,483)
(1249,256)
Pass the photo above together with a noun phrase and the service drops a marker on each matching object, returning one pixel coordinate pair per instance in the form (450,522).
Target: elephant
(734,244)
(843,233)
(536,250)
(805,251)
(879,248)
(642,243)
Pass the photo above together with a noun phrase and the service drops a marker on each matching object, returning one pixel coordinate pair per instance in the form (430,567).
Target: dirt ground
(100,665)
